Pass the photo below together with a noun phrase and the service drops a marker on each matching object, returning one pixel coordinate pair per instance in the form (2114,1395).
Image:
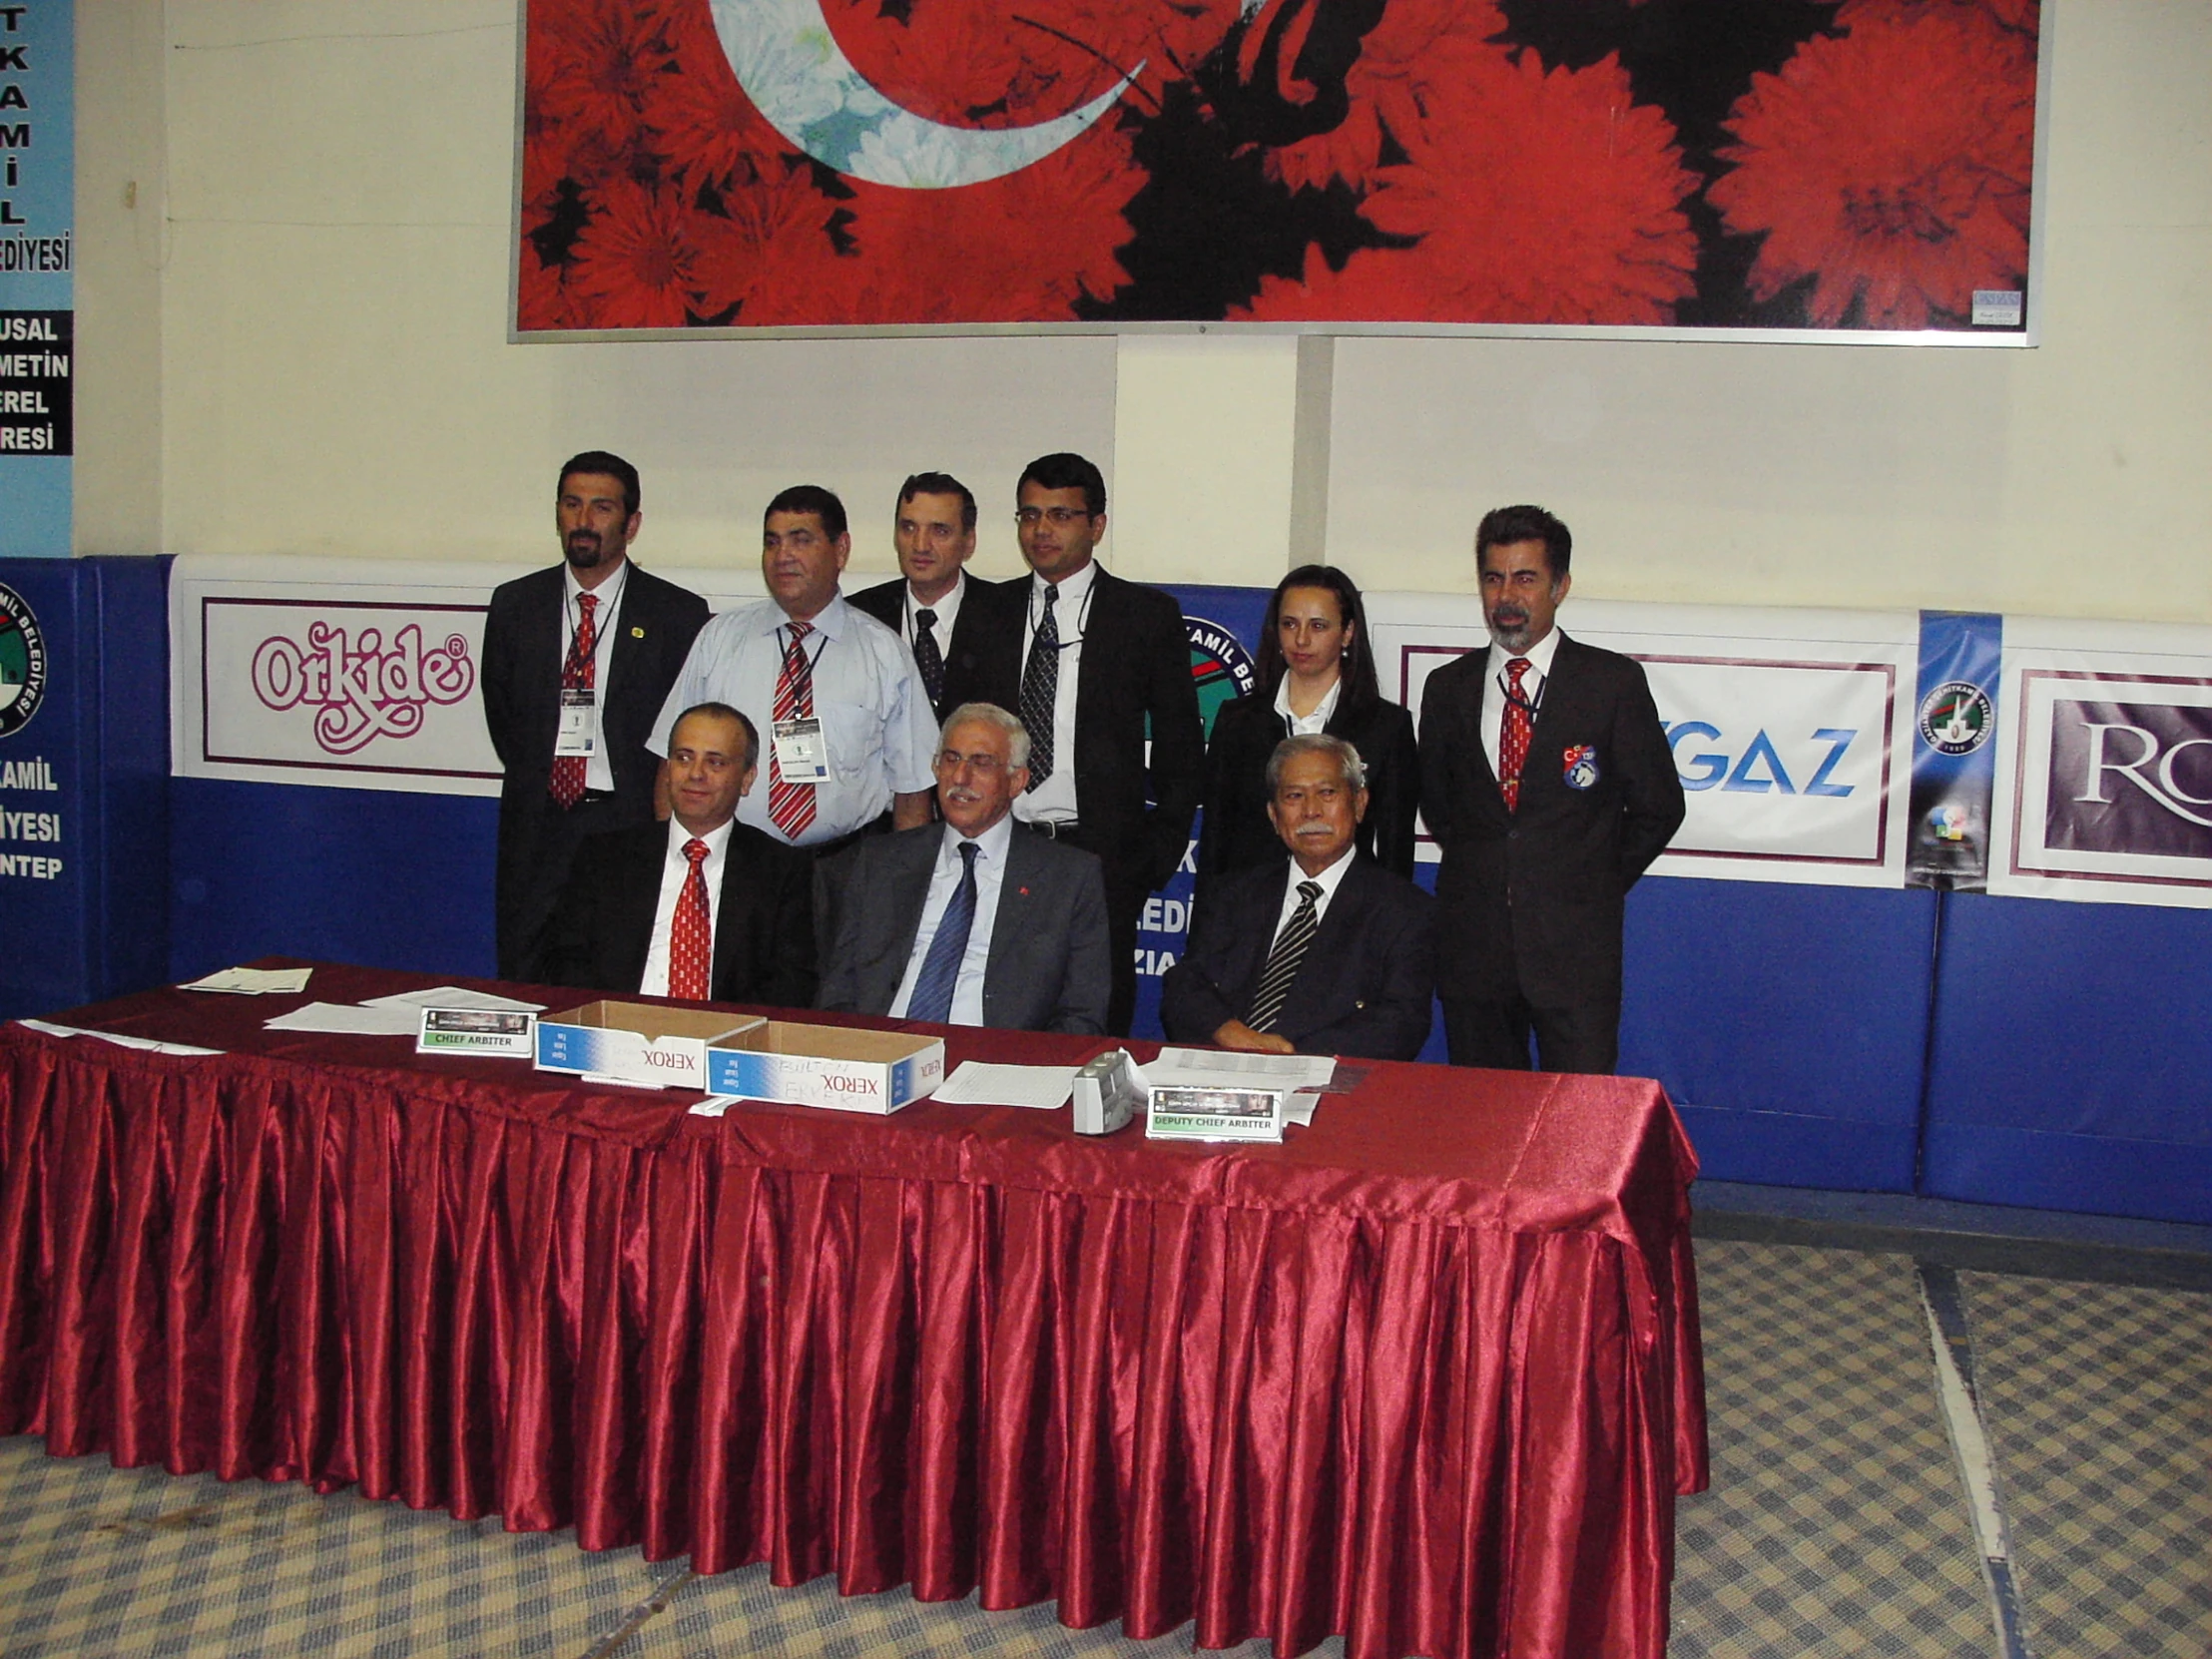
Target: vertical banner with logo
(37,290)
(2104,778)
(1223,629)
(1955,760)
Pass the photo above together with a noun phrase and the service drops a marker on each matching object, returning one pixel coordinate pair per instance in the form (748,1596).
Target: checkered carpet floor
(1837,1523)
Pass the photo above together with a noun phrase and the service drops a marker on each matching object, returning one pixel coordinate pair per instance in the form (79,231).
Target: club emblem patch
(1581,766)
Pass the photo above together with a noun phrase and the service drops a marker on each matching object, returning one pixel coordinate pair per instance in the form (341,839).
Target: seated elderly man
(1324,953)
(703,907)
(977,921)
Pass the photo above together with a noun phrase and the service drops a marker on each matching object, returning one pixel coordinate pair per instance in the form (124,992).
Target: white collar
(1072,588)
(715,838)
(1331,878)
(829,621)
(994,841)
(1539,655)
(1323,711)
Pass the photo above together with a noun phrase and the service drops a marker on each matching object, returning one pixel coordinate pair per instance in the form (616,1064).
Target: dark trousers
(1125,898)
(537,841)
(1582,1036)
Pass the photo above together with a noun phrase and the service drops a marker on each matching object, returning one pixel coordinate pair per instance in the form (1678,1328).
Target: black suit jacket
(1136,669)
(1235,833)
(1364,987)
(975,658)
(1049,965)
(1530,901)
(764,948)
(525,639)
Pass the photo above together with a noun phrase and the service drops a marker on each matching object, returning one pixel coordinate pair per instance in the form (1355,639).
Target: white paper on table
(714,1105)
(979,1083)
(1299,1107)
(1208,1069)
(349,1020)
(246,981)
(608,1081)
(452,996)
(149,1044)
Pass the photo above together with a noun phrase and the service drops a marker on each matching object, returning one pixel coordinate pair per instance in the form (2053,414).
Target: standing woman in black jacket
(1316,673)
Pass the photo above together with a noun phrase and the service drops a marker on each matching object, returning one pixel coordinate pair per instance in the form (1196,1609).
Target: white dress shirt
(1331,879)
(675,870)
(948,609)
(944,881)
(1532,683)
(598,770)
(1305,725)
(1055,798)
(875,717)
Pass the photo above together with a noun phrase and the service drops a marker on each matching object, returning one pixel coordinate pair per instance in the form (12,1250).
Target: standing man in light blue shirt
(971,924)
(835,694)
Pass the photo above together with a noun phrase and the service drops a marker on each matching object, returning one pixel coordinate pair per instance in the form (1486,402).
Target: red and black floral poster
(1750,164)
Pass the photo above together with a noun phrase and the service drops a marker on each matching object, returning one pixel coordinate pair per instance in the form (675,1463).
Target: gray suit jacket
(1049,967)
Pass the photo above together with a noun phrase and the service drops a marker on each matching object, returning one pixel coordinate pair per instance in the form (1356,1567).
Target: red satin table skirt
(1425,1376)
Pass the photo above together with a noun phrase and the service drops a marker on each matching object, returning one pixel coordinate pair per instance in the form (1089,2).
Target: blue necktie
(940,969)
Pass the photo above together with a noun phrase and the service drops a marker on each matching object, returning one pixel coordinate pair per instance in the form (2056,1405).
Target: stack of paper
(976,1083)
(117,1037)
(397,1015)
(246,981)
(1207,1068)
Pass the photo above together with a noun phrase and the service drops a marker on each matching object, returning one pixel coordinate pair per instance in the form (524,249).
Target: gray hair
(1318,742)
(990,713)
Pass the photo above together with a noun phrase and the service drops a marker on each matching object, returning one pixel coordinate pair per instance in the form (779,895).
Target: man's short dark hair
(723,711)
(941,483)
(810,498)
(610,465)
(1504,526)
(1064,472)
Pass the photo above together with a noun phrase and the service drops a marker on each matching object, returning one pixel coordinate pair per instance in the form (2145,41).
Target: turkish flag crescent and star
(1755,164)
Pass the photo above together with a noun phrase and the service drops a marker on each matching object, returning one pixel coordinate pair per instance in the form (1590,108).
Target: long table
(1426,1375)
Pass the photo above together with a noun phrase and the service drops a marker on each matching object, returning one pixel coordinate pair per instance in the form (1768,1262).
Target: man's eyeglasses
(1058,518)
(984,766)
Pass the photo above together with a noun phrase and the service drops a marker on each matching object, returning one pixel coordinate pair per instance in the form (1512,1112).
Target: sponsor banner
(2105,783)
(37,283)
(1791,729)
(1954,751)
(344,673)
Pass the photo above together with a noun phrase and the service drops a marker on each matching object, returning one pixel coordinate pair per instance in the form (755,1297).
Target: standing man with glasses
(834,694)
(1547,779)
(977,922)
(948,618)
(1105,663)
(576,661)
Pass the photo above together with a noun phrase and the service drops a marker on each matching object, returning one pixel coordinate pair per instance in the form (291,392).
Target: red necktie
(689,933)
(575,675)
(790,807)
(1513,734)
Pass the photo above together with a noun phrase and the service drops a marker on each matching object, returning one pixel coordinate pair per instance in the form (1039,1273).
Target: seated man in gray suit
(1326,953)
(977,921)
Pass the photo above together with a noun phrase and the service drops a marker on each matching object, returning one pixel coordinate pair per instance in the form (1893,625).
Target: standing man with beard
(1547,779)
(576,661)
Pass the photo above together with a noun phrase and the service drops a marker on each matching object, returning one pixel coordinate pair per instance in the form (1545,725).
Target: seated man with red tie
(702,908)
(1324,953)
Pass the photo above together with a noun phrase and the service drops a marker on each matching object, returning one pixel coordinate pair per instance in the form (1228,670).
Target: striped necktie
(1285,959)
(790,807)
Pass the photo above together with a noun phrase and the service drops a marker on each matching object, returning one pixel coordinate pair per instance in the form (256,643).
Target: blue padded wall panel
(2073,1057)
(350,875)
(1789,1022)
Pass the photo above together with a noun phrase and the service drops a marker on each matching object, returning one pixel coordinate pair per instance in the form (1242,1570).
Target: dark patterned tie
(940,969)
(928,657)
(577,674)
(1285,959)
(1513,734)
(1040,687)
(790,807)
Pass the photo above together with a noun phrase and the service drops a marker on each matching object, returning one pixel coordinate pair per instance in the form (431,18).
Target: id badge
(578,732)
(802,757)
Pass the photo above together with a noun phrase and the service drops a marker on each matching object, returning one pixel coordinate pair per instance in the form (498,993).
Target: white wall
(334,372)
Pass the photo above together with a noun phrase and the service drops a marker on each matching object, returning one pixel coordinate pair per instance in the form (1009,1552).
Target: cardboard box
(826,1065)
(635,1043)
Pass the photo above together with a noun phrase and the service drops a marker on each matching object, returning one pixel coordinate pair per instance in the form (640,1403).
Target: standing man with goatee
(576,661)
(1547,779)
